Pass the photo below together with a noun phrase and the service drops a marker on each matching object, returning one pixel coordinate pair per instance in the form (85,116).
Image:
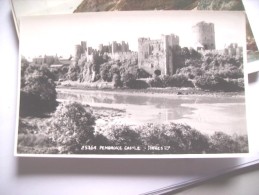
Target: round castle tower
(204,36)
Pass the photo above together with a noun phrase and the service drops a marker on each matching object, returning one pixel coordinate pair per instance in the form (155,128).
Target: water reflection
(204,113)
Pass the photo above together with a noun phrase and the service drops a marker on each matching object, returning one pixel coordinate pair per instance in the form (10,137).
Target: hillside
(220,5)
(124,5)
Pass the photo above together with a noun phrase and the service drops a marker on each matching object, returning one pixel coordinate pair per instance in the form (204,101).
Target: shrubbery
(129,80)
(73,73)
(156,82)
(106,73)
(223,143)
(216,83)
(179,138)
(182,139)
(214,71)
(210,82)
(177,80)
(72,126)
(38,93)
(124,135)
(141,73)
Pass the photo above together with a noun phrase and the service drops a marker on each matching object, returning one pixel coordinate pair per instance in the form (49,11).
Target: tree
(116,80)
(72,126)
(222,143)
(38,93)
(182,139)
(73,73)
(123,135)
(141,73)
(194,54)
(177,80)
(105,72)
(186,53)
(129,80)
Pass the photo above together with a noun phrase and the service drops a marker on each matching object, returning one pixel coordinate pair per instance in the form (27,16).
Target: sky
(58,34)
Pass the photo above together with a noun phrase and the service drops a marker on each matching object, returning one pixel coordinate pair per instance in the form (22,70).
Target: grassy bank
(105,86)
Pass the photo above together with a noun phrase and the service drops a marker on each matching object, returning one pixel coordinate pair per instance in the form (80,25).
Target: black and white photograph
(132,84)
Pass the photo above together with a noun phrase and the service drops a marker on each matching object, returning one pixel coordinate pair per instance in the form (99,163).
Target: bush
(216,83)
(211,82)
(177,80)
(116,81)
(223,143)
(141,73)
(73,73)
(36,150)
(156,82)
(241,142)
(232,73)
(191,72)
(101,140)
(182,139)
(106,73)
(34,140)
(72,126)
(38,93)
(234,85)
(123,135)
(129,80)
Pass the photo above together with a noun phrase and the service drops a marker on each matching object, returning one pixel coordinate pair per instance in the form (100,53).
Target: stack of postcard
(133,84)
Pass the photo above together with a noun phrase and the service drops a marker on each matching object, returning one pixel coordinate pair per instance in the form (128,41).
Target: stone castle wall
(114,50)
(233,50)
(157,54)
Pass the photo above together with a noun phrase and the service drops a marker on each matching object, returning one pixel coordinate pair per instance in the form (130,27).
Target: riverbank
(107,87)
(124,139)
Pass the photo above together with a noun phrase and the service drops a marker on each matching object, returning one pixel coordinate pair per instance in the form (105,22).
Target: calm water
(207,114)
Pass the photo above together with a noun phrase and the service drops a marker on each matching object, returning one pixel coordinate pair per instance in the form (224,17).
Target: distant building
(203,36)
(233,50)
(158,55)
(114,51)
(48,60)
(119,47)
(80,50)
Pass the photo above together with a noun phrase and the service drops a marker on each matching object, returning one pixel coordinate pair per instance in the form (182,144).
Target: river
(204,113)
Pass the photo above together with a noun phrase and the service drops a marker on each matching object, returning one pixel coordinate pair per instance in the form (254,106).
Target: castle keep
(204,36)
(158,54)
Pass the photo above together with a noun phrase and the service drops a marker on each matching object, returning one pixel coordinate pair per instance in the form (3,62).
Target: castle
(203,36)
(158,55)
(233,50)
(112,50)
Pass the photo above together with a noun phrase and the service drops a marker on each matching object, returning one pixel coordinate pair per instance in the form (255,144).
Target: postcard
(138,84)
